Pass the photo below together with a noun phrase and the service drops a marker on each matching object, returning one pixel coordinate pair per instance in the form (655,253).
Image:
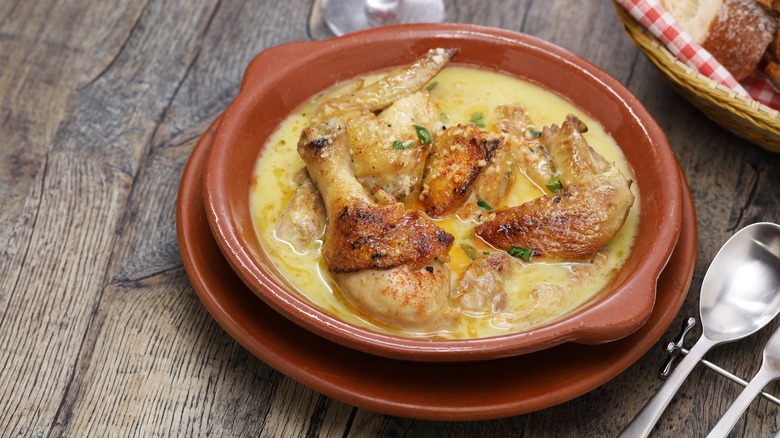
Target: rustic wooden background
(101,333)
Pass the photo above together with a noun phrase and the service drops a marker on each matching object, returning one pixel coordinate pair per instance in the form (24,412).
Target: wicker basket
(744,117)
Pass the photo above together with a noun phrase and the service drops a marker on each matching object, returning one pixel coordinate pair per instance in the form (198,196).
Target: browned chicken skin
(581,218)
(362,234)
(458,157)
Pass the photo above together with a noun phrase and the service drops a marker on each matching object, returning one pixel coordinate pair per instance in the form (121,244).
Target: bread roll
(735,32)
(770,5)
(772,71)
(774,48)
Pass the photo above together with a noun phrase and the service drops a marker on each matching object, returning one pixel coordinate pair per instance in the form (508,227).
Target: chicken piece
(546,298)
(418,109)
(574,160)
(336,92)
(490,186)
(362,234)
(386,150)
(482,288)
(401,297)
(404,80)
(533,157)
(458,157)
(574,223)
(302,221)
(383,257)
(393,86)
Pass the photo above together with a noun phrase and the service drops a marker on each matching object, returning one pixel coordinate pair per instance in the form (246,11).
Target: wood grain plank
(497,13)
(299,411)
(88,174)
(37,78)
(100,332)
(226,43)
(236,34)
(177,373)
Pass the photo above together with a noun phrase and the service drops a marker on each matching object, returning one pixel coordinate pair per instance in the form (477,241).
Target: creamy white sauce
(541,292)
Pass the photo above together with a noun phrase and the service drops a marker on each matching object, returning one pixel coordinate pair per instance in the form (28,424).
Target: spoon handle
(643,423)
(730,418)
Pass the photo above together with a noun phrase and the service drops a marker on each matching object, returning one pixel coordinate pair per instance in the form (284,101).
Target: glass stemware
(344,16)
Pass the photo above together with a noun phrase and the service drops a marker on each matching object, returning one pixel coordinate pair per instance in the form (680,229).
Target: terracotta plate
(281,78)
(426,390)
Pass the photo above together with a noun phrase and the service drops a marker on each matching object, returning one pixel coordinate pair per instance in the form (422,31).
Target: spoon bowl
(740,294)
(739,291)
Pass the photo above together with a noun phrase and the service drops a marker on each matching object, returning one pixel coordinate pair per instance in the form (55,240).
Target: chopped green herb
(423,134)
(469,250)
(478,119)
(533,133)
(482,203)
(431,86)
(444,117)
(468,236)
(485,252)
(399,145)
(554,185)
(520,251)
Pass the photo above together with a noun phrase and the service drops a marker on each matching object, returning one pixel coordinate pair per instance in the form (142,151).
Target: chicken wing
(572,224)
(523,140)
(389,149)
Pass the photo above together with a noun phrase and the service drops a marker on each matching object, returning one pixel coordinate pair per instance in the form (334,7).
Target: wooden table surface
(101,332)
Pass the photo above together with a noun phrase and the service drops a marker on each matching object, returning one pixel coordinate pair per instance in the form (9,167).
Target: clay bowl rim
(275,79)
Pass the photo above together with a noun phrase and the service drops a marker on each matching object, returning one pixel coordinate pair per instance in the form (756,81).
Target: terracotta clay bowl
(282,78)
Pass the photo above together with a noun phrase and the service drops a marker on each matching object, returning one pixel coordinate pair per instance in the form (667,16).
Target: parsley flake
(483,204)
(478,119)
(469,250)
(554,185)
(423,134)
(399,145)
(521,252)
(533,133)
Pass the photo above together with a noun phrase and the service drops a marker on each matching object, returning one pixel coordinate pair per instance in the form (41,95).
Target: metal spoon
(739,295)
(770,370)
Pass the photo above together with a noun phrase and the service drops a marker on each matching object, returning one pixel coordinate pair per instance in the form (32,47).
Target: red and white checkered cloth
(760,89)
(663,26)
